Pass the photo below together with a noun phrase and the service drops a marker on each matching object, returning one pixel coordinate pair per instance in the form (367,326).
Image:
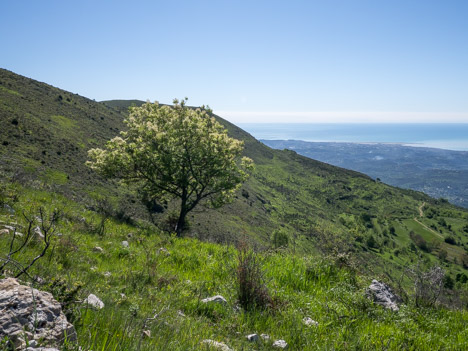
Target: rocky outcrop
(383,295)
(28,313)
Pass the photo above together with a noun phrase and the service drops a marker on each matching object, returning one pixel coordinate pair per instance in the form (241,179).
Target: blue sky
(252,61)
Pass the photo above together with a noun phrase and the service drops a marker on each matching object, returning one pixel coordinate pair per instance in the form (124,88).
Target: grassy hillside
(47,132)
(439,173)
(340,229)
(152,290)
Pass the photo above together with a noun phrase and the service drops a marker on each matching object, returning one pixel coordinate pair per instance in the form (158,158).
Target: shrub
(280,238)
(428,285)
(448,282)
(367,220)
(419,241)
(450,240)
(443,254)
(371,242)
(462,278)
(442,222)
(464,260)
(251,288)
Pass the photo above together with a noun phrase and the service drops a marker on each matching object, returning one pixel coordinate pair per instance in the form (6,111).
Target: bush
(464,260)
(462,278)
(371,242)
(251,288)
(419,241)
(428,285)
(450,240)
(442,222)
(448,282)
(280,238)
(443,254)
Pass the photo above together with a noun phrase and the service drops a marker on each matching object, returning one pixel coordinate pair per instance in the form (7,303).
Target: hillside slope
(47,132)
(438,173)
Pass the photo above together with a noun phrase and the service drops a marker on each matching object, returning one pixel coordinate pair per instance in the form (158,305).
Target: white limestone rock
(280,344)
(383,295)
(28,314)
(216,299)
(216,345)
(309,322)
(94,301)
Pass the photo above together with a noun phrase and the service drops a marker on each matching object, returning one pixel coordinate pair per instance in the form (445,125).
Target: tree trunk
(180,223)
(183,212)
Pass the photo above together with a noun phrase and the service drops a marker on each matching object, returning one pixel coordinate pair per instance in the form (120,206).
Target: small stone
(309,322)
(94,301)
(216,345)
(125,243)
(280,344)
(253,337)
(265,337)
(217,299)
(98,249)
(181,314)
(4,231)
(38,280)
(38,232)
(163,250)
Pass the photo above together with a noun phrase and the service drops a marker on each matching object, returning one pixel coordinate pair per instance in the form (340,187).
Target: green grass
(9,91)
(154,282)
(56,177)
(64,123)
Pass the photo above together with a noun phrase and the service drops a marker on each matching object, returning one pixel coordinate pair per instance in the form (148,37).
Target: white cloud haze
(342,117)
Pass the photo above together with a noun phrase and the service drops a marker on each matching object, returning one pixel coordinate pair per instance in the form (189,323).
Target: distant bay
(450,136)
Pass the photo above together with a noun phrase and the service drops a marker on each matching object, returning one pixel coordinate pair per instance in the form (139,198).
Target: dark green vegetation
(303,208)
(439,173)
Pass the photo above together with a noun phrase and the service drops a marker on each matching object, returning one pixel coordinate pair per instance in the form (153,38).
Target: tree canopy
(175,152)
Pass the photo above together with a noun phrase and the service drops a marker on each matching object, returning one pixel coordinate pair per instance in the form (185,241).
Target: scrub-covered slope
(47,131)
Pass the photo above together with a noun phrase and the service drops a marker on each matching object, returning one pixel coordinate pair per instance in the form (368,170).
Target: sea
(450,136)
